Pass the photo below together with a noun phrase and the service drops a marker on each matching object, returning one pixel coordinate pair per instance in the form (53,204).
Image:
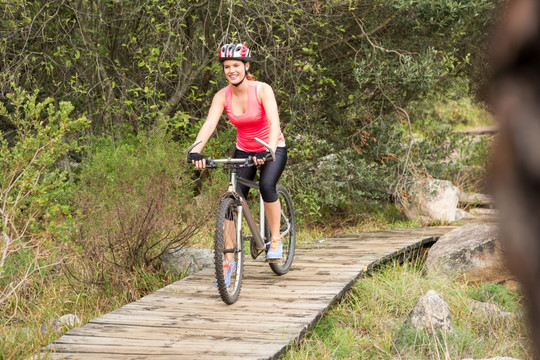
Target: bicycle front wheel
(287,230)
(228,250)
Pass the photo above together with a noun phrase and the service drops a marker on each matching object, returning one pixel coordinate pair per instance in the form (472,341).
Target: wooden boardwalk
(188,320)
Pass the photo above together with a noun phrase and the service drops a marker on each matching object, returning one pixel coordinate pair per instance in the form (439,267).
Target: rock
(473,250)
(68,321)
(431,313)
(463,215)
(187,260)
(431,200)
(490,310)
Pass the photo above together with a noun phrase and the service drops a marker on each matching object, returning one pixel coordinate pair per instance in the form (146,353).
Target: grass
(368,322)
(54,296)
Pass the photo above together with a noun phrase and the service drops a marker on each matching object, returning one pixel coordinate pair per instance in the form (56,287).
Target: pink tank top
(252,124)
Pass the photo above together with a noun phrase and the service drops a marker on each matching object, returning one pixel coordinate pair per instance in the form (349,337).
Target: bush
(34,211)
(135,201)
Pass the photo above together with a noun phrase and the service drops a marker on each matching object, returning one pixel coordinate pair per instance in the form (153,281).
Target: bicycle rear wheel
(228,248)
(288,230)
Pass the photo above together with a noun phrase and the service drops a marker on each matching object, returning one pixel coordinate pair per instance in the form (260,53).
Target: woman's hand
(198,160)
(260,157)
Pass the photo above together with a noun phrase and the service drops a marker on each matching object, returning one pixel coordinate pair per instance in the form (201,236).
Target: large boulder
(429,200)
(473,250)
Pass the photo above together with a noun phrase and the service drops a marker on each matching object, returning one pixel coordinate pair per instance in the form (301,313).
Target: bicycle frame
(258,233)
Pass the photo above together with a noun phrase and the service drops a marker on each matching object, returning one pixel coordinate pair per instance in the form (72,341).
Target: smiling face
(235,71)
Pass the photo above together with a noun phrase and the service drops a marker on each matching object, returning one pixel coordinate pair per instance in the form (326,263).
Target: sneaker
(275,252)
(228,268)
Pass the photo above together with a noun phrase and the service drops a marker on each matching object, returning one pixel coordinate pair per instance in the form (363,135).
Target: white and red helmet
(234,52)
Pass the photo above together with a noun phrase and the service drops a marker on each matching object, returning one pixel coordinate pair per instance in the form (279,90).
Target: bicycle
(232,212)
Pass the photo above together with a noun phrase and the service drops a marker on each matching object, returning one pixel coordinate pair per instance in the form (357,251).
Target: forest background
(100,98)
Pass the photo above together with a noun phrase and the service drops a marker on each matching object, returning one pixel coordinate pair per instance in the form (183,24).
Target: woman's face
(235,71)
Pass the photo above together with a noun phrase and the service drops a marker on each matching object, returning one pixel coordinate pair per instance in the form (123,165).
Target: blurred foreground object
(516,165)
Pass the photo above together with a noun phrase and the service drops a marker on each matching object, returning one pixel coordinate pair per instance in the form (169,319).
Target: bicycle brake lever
(210,164)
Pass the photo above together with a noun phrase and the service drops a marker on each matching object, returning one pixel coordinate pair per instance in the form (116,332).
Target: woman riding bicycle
(251,107)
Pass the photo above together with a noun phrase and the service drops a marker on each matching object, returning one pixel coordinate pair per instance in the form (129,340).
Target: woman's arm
(212,119)
(268,100)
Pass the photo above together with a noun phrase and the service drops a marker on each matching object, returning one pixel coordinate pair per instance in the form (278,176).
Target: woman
(251,106)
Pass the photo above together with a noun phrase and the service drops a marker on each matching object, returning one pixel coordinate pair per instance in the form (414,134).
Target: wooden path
(188,320)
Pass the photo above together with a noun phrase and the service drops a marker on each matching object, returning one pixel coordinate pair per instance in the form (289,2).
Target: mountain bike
(231,233)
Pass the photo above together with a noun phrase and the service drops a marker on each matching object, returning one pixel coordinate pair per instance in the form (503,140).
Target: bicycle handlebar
(211,163)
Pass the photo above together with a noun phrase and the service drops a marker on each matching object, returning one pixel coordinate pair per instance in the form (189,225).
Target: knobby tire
(227,209)
(289,241)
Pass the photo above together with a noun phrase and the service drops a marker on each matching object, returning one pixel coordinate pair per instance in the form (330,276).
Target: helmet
(234,52)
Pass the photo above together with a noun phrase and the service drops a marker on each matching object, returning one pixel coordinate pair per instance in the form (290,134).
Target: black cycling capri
(270,173)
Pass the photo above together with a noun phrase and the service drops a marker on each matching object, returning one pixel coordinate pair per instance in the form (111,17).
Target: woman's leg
(270,174)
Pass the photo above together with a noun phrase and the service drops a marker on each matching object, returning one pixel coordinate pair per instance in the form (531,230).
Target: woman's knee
(268,192)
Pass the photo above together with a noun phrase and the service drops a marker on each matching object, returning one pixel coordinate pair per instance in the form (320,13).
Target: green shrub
(35,214)
(135,201)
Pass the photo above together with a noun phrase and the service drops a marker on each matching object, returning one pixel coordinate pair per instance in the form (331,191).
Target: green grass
(368,322)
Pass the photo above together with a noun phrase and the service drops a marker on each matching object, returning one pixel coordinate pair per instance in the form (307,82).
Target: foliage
(342,70)
(134,204)
(34,209)
(451,108)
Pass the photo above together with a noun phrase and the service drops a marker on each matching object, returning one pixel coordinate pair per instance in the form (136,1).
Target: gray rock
(463,215)
(187,260)
(70,320)
(431,313)
(473,250)
(65,322)
(490,310)
(431,200)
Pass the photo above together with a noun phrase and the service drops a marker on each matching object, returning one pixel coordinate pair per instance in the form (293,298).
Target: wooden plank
(186,332)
